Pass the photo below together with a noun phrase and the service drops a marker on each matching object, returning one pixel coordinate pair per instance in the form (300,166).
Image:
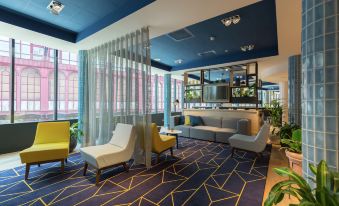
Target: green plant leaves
(325,194)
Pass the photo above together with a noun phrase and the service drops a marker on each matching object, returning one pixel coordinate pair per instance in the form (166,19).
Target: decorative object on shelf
(75,134)
(293,151)
(326,191)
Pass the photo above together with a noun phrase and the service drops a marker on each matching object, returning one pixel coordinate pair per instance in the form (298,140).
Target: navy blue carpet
(202,173)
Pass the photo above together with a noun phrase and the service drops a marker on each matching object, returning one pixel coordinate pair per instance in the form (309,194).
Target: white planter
(274,139)
(295,161)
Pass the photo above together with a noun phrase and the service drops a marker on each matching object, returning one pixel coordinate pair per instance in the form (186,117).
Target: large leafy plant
(287,129)
(275,109)
(326,192)
(294,144)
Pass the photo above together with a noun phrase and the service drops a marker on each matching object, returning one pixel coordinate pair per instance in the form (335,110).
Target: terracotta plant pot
(295,161)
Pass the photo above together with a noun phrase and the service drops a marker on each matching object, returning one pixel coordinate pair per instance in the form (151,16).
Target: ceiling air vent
(180,35)
(207,53)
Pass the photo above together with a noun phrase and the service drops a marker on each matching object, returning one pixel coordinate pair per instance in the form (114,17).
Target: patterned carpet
(203,173)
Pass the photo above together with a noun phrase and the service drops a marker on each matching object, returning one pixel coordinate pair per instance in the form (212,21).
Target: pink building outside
(34,83)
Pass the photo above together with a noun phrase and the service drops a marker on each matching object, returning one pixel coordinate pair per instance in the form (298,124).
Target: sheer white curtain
(116,84)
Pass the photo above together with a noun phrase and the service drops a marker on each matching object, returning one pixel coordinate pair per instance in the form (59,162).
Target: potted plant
(75,132)
(286,130)
(326,191)
(275,111)
(293,151)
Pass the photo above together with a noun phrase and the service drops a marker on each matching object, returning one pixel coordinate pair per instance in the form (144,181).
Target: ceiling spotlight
(226,50)
(55,7)
(250,47)
(236,19)
(212,38)
(178,61)
(247,47)
(233,19)
(243,48)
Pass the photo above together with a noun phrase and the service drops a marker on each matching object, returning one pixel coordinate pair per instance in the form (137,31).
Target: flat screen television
(216,93)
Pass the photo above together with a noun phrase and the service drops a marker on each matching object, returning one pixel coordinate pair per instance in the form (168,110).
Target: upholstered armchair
(255,144)
(161,143)
(51,144)
(117,152)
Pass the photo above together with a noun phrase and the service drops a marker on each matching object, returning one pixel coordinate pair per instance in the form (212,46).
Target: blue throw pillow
(196,120)
(181,120)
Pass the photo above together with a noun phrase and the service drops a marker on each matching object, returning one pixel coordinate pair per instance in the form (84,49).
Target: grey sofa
(212,128)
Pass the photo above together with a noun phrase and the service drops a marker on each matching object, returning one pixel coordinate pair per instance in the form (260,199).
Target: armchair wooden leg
(38,164)
(28,166)
(232,151)
(97,178)
(171,149)
(62,166)
(85,168)
(125,166)
(66,160)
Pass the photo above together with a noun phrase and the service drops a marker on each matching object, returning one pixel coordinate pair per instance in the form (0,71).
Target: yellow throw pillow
(187,120)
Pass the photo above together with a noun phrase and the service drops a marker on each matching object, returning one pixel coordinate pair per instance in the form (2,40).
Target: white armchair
(117,152)
(255,144)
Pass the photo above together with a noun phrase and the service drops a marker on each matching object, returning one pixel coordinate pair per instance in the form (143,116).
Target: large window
(4,95)
(67,85)
(34,86)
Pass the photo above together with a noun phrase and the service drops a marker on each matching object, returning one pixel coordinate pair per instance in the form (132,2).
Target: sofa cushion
(211,121)
(223,134)
(196,120)
(185,130)
(230,123)
(181,120)
(203,132)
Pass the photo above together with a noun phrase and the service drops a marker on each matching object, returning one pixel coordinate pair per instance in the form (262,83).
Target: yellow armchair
(51,144)
(161,143)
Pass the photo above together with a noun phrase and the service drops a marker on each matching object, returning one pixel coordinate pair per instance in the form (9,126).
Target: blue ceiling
(79,18)
(257,26)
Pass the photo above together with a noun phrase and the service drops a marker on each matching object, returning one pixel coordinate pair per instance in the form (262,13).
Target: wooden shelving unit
(243,78)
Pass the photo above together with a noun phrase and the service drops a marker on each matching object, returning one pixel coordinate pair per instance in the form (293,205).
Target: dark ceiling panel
(257,26)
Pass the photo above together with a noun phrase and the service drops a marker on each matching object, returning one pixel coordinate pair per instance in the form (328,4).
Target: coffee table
(173,132)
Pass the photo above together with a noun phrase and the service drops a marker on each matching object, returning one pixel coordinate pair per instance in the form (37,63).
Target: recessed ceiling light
(55,7)
(178,61)
(226,50)
(212,38)
(157,59)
